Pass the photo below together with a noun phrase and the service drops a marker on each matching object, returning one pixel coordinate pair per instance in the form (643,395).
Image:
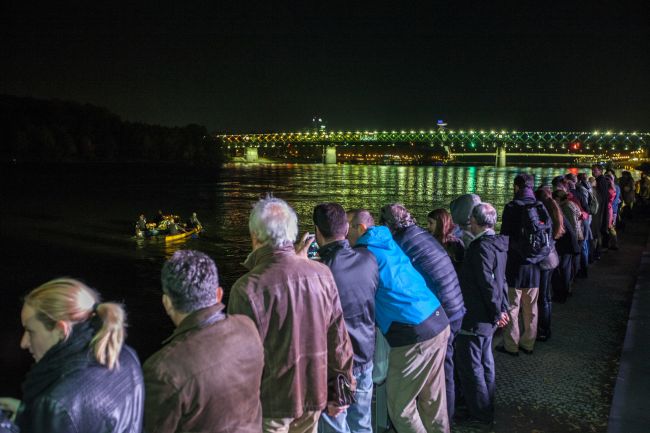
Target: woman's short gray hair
(485,215)
(273,221)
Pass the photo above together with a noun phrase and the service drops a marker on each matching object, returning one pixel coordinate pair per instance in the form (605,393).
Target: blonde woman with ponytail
(85,379)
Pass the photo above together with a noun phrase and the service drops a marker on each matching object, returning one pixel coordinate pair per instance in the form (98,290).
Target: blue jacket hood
(402,295)
(378,237)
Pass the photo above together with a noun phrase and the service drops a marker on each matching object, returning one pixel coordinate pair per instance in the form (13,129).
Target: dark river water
(77,221)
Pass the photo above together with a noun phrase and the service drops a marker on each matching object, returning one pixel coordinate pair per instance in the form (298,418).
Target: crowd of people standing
(297,347)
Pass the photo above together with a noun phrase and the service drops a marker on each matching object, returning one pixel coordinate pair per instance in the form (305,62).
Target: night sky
(271,66)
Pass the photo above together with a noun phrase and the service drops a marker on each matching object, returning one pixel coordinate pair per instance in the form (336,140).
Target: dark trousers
(544,304)
(575,267)
(475,364)
(454,327)
(561,279)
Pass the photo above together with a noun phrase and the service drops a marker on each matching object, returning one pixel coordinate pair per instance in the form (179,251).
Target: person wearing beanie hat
(461,209)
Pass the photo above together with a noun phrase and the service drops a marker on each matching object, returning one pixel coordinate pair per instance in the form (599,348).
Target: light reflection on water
(421,189)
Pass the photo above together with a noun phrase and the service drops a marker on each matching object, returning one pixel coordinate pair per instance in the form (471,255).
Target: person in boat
(142,223)
(173,228)
(159,218)
(141,226)
(194,222)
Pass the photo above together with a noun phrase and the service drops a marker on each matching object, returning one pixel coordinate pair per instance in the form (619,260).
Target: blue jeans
(475,364)
(357,417)
(584,255)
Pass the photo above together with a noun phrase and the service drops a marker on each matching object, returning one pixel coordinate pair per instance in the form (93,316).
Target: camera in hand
(312,251)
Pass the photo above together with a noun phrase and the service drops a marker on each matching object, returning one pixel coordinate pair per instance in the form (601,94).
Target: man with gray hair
(207,376)
(295,304)
(483,282)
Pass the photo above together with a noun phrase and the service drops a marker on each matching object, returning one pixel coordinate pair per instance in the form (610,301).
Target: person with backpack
(528,225)
(548,266)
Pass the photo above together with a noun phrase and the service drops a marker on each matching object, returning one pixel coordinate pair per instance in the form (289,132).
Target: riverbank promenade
(568,383)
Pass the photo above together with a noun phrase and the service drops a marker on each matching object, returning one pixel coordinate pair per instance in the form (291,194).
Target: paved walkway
(629,413)
(567,384)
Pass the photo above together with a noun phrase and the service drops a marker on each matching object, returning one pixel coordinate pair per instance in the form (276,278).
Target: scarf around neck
(63,358)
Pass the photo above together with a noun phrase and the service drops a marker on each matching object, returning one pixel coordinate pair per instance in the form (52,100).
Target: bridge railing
(465,140)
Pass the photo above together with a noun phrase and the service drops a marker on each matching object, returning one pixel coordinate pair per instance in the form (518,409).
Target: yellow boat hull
(184,235)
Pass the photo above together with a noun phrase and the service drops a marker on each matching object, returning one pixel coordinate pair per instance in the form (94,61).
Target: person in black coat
(356,274)
(602,189)
(522,276)
(431,260)
(483,283)
(85,379)
(567,247)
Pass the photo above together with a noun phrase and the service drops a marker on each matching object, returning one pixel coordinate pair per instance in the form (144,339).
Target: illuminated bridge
(450,144)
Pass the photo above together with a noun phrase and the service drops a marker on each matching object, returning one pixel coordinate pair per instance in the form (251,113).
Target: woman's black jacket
(68,391)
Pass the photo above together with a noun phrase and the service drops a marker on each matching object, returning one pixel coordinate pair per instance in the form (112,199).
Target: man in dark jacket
(483,282)
(356,274)
(295,306)
(522,276)
(415,326)
(207,377)
(584,195)
(602,191)
(432,261)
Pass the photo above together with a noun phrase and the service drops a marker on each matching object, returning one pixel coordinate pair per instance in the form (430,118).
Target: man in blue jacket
(416,327)
(356,275)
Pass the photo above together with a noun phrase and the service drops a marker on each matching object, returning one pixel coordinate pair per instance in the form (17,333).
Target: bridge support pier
(330,155)
(251,154)
(448,152)
(501,156)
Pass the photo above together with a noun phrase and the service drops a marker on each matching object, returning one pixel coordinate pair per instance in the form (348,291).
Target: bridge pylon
(501,155)
(330,154)
(251,154)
